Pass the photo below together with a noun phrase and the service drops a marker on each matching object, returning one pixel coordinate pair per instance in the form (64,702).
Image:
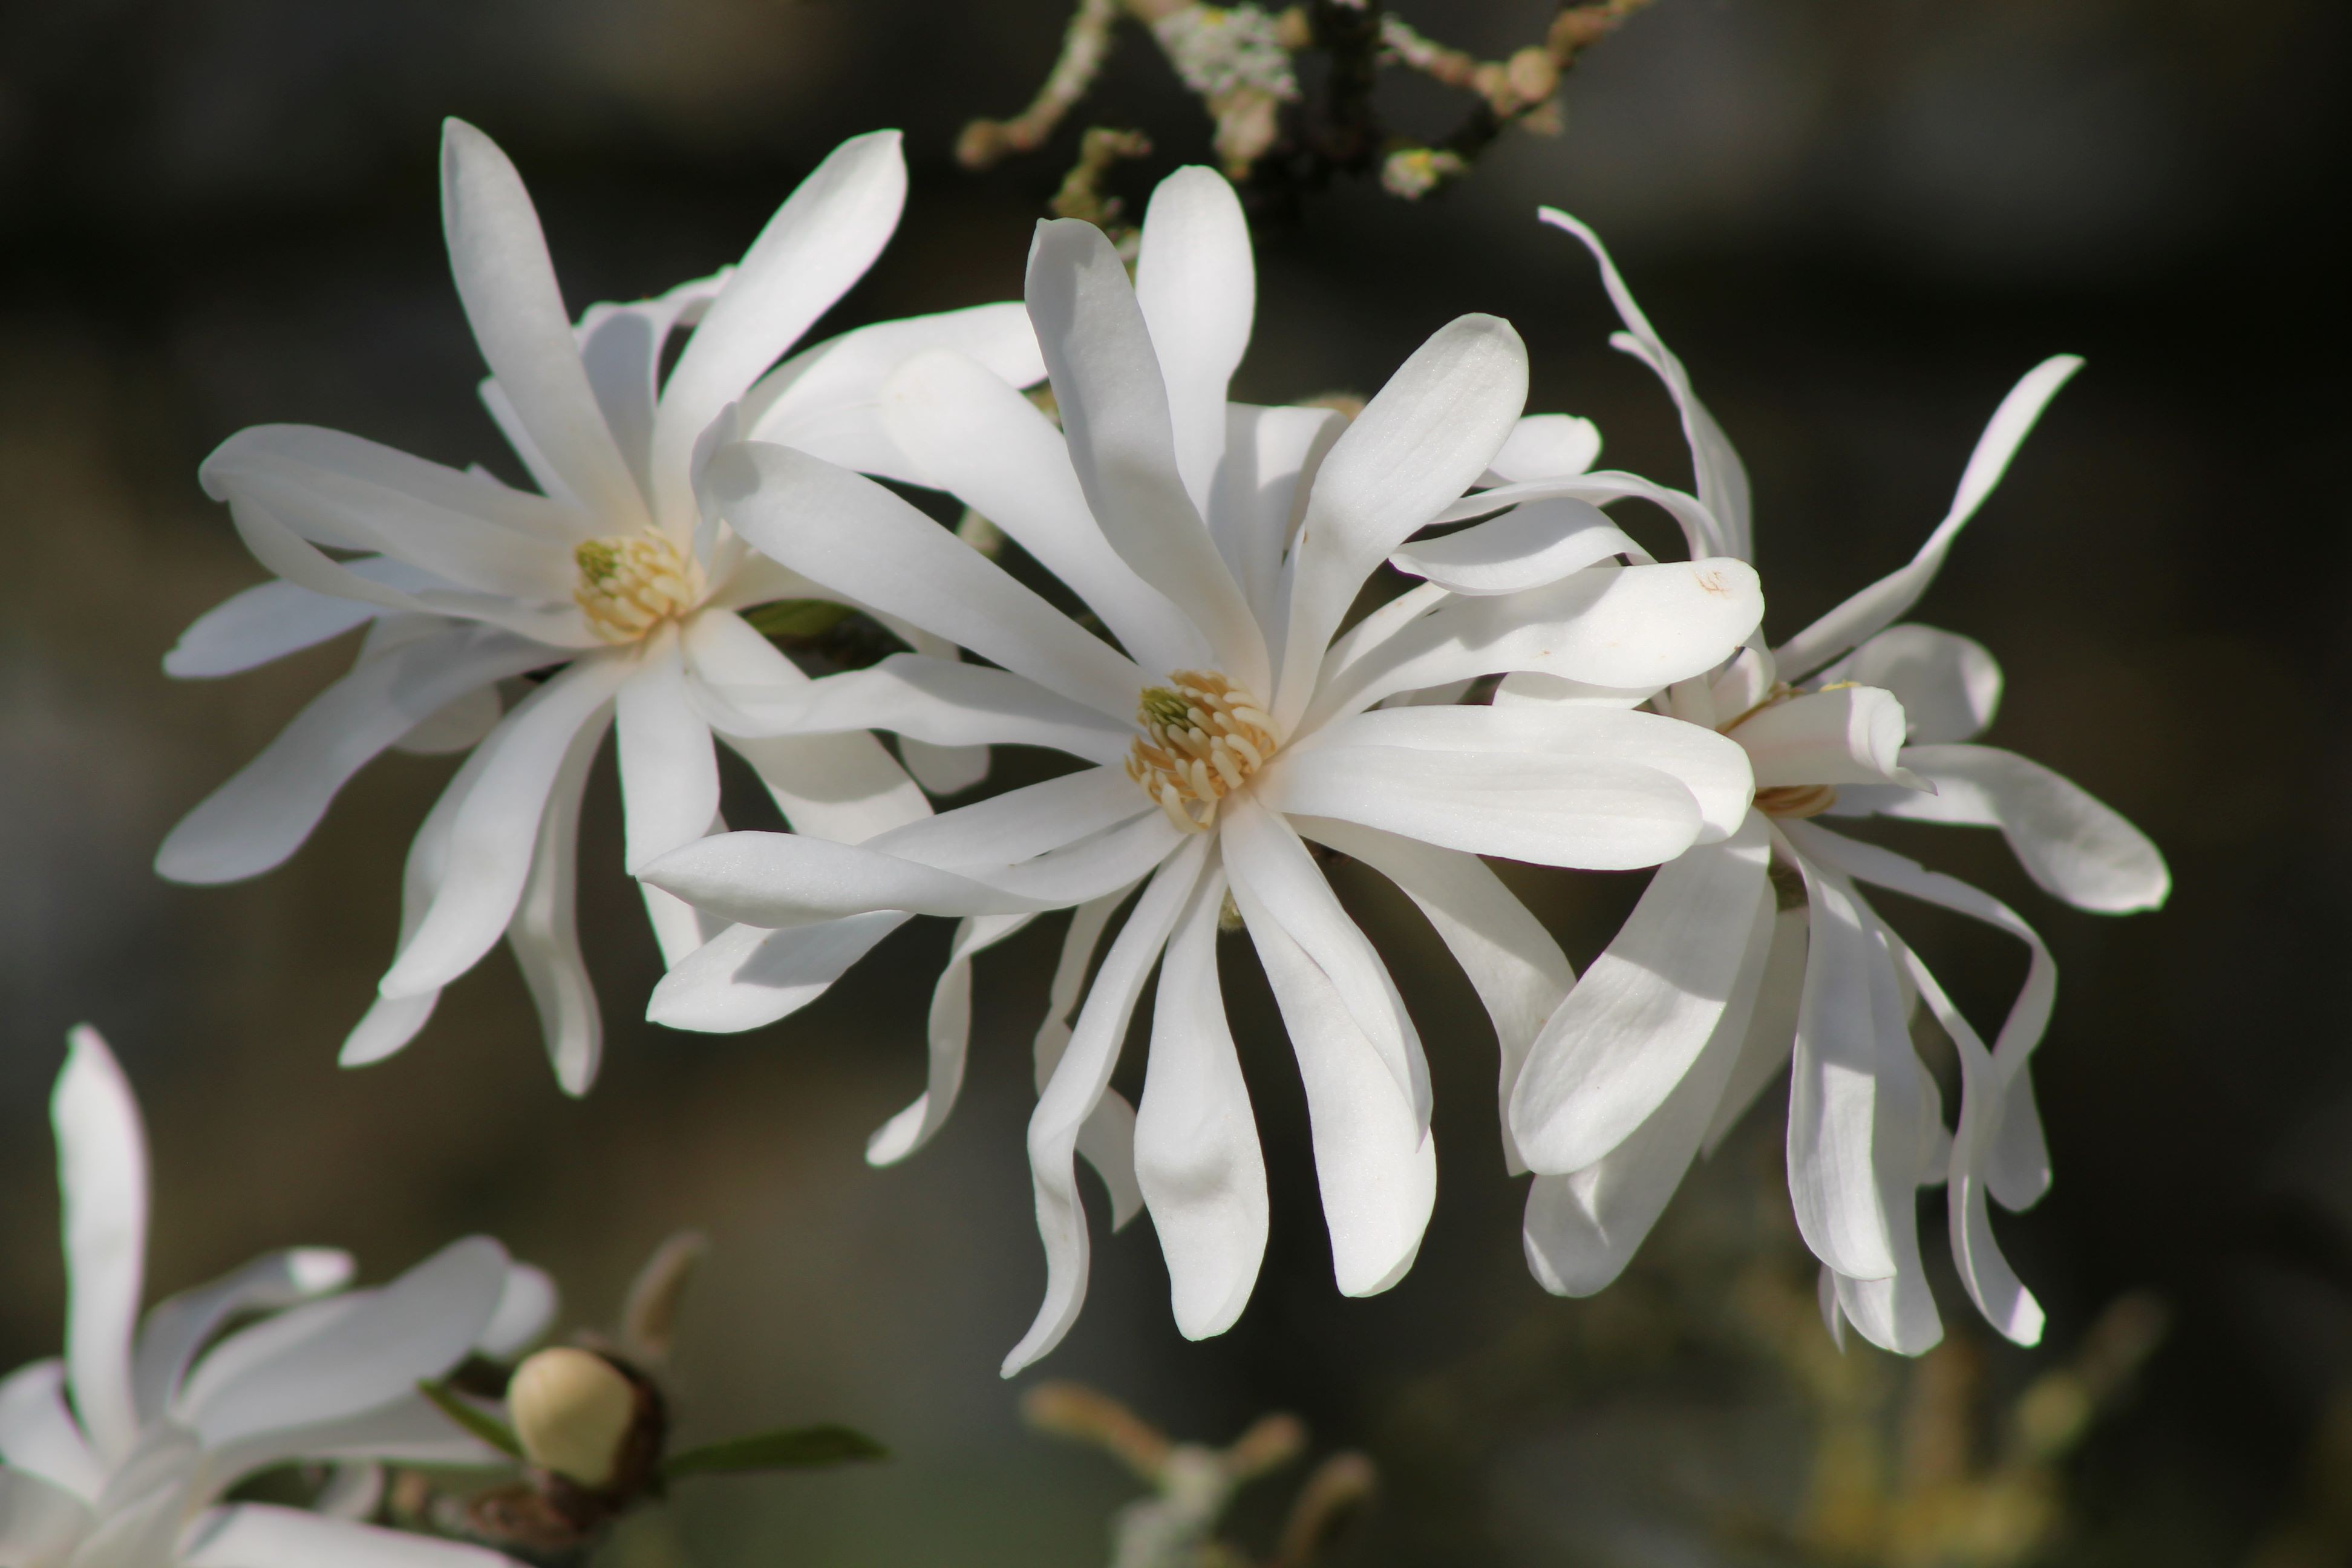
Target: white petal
(1010,829)
(1115,414)
(1594,813)
(1529,546)
(457,725)
(748,976)
(496,830)
(2020,1163)
(966,431)
(1196,284)
(1263,856)
(1582,1229)
(508,285)
(940,701)
(39,1520)
(1518,972)
(526,1305)
(669,775)
(274,619)
(1949,685)
(1078,1082)
(258,1535)
(1851,736)
(1883,604)
(1375,1158)
(1722,481)
(103,1176)
(1834,1101)
(1711,767)
(943,770)
(776,879)
(623,347)
(828,399)
(1701,531)
(1271,456)
(1544,446)
(37,1435)
(370,1352)
(2072,844)
(1636,1024)
(949,1029)
(175,1330)
(860,540)
(1421,441)
(821,241)
(1107,1139)
(544,932)
(263,813)
(1196,1150)
(1638,628)
(410,1429)
(1771,1027)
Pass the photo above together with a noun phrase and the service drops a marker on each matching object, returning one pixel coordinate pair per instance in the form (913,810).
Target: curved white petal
(1109,383)
(37,1433)
(990,836)
(40,1521)
(1636,628)
(544,932)
(1722,481)
(264,813)
(821,241)
(1422,440)
(1544,446)
(1270,461)
(1107,1138)
(949,1029)
(1582,1228)
(103,1176)
(1375,1158)
(1834,1100)
(777,879)
(1594,813)
(1636,1024)
(1883,604)
(965,431)
(748,976)
(1079,1080)
(2071,843)
(507,286)
(526,1305)
(1531,546)
(669,775)
(1949,685)
(1519,973)
(1196,1148)
(856,538)
(175,1330)
(273,619)
(1196,284)
(1851,736)
(942,701)
(943,770)
(261,1535)
(1263,856)
(496,830)
(1771,1027)
(359,1351)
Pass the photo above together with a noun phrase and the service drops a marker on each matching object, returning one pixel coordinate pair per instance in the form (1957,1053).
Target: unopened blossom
(1758,954)
(608,570)
(118,1454)
(1226,722)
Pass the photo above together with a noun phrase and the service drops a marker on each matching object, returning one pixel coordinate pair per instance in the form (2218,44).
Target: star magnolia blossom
(1713,983)
(463,581)
(163,1421)
(1224,728)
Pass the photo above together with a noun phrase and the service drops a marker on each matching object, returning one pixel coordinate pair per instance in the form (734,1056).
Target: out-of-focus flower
(1748,950)
(1221,546)
(118,1455)
(611,570)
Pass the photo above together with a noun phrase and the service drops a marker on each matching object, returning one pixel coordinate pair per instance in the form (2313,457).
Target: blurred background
(1857,220)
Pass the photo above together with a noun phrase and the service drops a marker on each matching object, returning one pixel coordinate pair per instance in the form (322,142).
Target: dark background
(1857,220)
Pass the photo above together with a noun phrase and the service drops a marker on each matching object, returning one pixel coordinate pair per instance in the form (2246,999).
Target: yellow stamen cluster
(1202,738)
(630,585)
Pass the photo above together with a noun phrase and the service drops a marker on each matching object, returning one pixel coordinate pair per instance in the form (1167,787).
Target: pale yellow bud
(572,1410)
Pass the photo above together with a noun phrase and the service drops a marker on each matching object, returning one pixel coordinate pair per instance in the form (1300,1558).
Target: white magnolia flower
(1718,976)
(463,583)
(1224,727)
(118,1455)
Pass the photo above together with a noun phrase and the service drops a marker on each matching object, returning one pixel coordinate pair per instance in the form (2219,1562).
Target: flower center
(1786,800)
(630,584)
(1202,738)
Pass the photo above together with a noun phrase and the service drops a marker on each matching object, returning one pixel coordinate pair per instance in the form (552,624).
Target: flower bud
(573,1410)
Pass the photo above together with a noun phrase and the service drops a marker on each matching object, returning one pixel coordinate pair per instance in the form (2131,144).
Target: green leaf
(796,617)
(487,1427)
(792,1448)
